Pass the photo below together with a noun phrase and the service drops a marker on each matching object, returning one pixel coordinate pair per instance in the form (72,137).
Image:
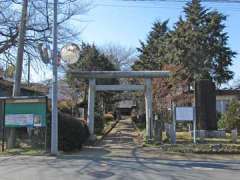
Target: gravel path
(123,136)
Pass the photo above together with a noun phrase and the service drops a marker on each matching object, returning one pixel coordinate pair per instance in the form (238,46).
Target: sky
(127,22)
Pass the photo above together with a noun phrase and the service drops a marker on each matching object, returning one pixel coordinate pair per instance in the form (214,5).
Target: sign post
(194,125)
(2,110)
(173,128)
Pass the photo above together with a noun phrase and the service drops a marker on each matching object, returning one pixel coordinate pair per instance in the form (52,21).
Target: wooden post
(91,103)
(148,106)
(194,125)
(173,133)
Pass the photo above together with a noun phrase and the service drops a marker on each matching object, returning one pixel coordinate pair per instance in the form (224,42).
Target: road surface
(119,157)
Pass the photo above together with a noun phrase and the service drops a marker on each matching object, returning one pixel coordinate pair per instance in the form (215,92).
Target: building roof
(126,104)
(223,92)
(35,88)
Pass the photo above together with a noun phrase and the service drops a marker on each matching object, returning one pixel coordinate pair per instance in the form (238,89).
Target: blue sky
(127,22)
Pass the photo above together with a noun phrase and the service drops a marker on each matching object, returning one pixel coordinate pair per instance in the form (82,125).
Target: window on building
(222,105)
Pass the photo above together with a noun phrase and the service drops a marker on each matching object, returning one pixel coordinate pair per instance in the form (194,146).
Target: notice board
(25,111)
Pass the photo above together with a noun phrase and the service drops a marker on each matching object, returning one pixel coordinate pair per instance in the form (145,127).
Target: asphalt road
(119,157)
(98,165)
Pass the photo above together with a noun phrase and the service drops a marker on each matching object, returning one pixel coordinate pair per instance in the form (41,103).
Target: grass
(209,146)
(24,147)
(185,137)
(203,148)
(23,151)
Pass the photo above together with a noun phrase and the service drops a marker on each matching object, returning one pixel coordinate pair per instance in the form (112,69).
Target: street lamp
(70,54)
(54,123)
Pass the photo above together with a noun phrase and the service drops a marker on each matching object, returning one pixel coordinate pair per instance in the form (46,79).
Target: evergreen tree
(152,52)
(231,118)
(199,44)
(91,60)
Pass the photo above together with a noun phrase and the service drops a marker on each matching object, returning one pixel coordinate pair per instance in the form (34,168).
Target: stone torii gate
(147,88)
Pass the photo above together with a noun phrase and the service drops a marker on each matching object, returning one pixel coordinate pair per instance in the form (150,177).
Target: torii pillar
(91,104)
(148,107)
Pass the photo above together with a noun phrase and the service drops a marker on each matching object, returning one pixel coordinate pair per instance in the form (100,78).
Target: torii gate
(147,88)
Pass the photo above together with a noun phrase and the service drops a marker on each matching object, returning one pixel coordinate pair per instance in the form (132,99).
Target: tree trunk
(19,64)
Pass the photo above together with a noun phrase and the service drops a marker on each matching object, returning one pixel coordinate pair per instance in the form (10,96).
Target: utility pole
(54,124)
(19,64)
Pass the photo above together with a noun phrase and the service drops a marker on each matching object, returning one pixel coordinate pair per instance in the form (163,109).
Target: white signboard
(184,114)
(19,120)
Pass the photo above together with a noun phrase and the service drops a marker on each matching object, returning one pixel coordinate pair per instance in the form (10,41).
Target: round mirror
(45,52)
(70,53)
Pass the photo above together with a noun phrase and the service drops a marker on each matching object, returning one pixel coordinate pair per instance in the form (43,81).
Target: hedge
(72,133)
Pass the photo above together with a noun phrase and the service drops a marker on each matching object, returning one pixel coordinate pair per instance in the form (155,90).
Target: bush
(65,106)
(72,133)
(108,117)
(231,118)
(134,118)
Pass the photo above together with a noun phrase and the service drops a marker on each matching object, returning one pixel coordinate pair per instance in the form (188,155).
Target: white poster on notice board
(19,120)
(184,113)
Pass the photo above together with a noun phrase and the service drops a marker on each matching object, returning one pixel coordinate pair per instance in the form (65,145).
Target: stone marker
(172,134)
(202,134)
(234,135)
(157,131)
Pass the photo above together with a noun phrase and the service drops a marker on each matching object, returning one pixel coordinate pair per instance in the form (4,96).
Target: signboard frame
(22,106)
(187,119)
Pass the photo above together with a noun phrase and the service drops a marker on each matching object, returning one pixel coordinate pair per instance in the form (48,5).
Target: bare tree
(19,63)
(121,56)
(39,28)
(35,27)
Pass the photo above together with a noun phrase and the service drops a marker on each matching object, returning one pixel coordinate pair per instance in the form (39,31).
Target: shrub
(134,118)
(65,106)
(108,117)
(72,133)
(98,123)
(231,118)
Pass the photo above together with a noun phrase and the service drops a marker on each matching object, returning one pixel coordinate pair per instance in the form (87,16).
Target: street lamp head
(70,53)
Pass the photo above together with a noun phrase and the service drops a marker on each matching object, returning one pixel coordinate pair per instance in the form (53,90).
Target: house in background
(35,89)
(223,98)
(125,107)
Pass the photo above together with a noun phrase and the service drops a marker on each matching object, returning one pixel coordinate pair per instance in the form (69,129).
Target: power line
(134,6)
(231,8)
(215,1)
